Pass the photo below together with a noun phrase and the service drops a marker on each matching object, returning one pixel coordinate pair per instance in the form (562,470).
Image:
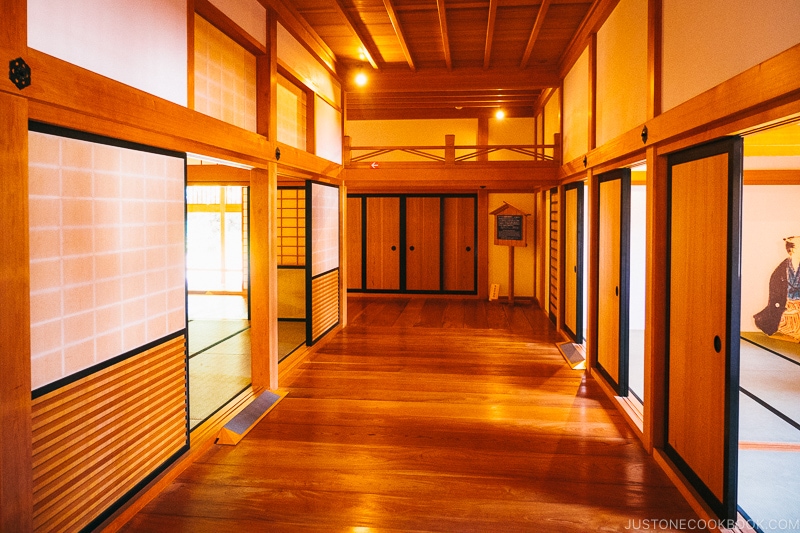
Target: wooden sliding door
(704,302)
(423,243)
(383,242)
(613,216)
(459,243)
(573,261)
(355,242)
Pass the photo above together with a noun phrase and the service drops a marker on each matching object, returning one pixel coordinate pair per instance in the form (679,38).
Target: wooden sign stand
(510,231)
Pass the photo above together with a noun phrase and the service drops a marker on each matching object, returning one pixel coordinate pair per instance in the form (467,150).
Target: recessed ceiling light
(500,114)
(361,79)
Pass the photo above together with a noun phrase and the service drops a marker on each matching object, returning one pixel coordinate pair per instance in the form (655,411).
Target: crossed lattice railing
(451,153)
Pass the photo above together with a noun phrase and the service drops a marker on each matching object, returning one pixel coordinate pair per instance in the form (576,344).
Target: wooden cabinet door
(703,313)
(423,244)
(383,243)
(355,243)
(613,215)
(459,244)
(573,261)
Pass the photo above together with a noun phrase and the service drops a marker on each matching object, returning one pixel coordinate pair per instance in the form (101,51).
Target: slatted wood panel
(608,301)
(423,240)
(383,243)
(553,273)
(325,303)
(355,251)
(97,438)
(459,244)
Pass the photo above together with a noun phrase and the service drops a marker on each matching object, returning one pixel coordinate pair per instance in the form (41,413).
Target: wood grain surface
(428,415)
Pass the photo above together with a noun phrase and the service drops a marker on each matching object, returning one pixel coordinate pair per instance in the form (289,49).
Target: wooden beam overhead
(537,26)
(367,44)
(392,12)
(445,39)
(294,22)
(487,54)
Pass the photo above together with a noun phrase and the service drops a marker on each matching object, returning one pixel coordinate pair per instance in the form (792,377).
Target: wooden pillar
(592,256)
(449,149)
(16,478)
(511,275)
(483,137)
(16,463)
(655,301)
(264,276)
(267,83)
(483,244)
(343,255)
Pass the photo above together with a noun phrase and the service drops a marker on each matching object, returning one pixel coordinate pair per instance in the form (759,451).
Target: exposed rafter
(445,39)
(537,26)
(367,44)
(392,12)
(487,54)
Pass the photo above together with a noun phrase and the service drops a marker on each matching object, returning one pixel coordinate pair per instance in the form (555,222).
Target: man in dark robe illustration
(782,313)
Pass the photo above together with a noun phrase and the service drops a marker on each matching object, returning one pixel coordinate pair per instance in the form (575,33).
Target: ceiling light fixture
(500,114)
(361,78)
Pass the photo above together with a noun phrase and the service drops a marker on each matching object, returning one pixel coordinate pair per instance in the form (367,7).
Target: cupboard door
(459,243)
(613,214)
(355,243)
(383,243)
(704,301)
(423,244)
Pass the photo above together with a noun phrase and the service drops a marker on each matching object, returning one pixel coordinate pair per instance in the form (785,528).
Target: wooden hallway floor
(428,415)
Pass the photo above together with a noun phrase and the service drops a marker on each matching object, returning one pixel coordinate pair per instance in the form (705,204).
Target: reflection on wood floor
(428,415)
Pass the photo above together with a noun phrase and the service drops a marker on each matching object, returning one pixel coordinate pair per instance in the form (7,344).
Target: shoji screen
(108,322)
(322,225)
(224,77)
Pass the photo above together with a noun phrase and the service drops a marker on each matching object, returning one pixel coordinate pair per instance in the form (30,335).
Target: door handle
(616,290)
(469,249)
(717,344)
(411,248)
(394,248)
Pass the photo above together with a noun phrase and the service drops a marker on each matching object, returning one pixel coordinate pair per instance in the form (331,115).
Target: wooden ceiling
(451,58)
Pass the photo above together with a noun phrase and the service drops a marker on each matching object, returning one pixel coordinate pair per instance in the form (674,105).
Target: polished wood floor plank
(428,414)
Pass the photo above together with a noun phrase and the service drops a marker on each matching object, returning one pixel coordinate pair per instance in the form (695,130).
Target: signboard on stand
(510,231)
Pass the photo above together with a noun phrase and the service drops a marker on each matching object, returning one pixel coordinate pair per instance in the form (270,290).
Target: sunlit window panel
(107,252)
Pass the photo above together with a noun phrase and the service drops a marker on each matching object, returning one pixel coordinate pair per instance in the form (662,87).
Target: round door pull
(411,248)
(469,249)
(717,344)
(394,248)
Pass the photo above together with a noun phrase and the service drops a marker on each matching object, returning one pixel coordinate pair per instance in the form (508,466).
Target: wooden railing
(451,153)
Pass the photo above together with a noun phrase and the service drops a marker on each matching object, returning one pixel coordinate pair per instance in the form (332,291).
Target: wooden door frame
(726,509)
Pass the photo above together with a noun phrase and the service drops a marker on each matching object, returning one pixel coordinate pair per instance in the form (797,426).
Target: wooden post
(449,149)
(511,275)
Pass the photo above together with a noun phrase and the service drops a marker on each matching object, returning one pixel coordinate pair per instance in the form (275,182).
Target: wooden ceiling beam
(471,79)
(398,30)
(367,44)
(294,22)
(594,19)
(537,27)
(445,38)
(487,54)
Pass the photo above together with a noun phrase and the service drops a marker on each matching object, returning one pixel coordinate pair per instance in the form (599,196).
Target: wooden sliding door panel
(608,304)
(459,243)
(383,243)
(573,261)
(704,287)
(613,216)
(355,260)
(423,243)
